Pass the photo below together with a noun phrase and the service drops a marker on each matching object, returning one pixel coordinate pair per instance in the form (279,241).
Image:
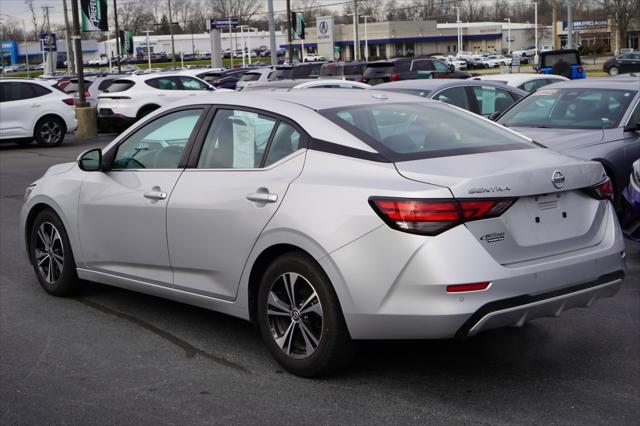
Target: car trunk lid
(544,220)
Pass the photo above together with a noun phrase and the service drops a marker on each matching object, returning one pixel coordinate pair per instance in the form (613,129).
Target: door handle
(155,195)
(35,105)
(262,197)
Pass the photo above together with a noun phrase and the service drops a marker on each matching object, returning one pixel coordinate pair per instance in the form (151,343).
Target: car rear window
(354,69)
(250,76)
(331,70)
(410,131)
(104,85)
(120,86)
(376,69)
(281,74)
(415,92)
(570,58)
(570,108)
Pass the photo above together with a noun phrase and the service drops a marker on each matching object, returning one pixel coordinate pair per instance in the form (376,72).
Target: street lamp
(366,38)
(508,35)
(148,48)
(243,43)
(459,29)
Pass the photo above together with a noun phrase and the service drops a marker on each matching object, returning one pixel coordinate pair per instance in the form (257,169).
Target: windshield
(574,108)
(281,74)
(571,58)
(331,70)
(410,131)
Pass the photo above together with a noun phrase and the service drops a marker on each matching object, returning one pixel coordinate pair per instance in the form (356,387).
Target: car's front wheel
(51,255)
(614,71)
(300,318)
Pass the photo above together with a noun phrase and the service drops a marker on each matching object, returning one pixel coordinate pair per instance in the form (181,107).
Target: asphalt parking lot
(114,356)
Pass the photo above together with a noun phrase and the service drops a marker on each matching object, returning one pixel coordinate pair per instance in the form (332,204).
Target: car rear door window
(491,99)
(533,85)
(441,67)
(119,86)
(455,96)
(16,91)
(189,83)
(160,143)
(236,139)
(285,141)
(163,83)
(423,65)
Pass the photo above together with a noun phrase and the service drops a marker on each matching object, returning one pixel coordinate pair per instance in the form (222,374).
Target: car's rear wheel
(50,131)
(300,318)
(51,255)
(146,110)
(613,71)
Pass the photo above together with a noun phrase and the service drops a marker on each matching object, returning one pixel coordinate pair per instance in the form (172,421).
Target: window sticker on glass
(244,147)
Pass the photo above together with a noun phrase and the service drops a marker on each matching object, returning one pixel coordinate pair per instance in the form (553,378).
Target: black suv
(294,72)
(409,69)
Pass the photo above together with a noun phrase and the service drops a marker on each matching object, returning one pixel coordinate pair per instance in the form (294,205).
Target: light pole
(243,43)
(535,8)
(173,46)
(459,29)
(355,37)
(508,35)
(26,48)
(148,48)
(366,38)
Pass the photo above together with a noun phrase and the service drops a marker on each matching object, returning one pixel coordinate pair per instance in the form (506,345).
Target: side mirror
(91,160)
(632,127)
(495,115)
(452,68)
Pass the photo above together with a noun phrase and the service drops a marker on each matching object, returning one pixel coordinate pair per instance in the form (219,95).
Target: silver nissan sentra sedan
(330,217)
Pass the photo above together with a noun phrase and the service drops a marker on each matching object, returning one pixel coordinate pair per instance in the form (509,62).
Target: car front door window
(159,144)
(455,96)
(236,139)
(491,99)
(189,83)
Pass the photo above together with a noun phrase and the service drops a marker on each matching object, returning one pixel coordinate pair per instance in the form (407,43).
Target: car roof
(599,83)
(436,84)
(517,78)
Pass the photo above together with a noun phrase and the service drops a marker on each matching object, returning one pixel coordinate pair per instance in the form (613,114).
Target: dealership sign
(325,28)
(49,42)
(587,25)
(223,24)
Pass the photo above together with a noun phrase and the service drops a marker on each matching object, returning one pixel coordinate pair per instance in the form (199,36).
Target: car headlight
(27,192)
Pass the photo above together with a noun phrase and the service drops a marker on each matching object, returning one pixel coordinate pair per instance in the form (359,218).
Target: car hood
(562,139)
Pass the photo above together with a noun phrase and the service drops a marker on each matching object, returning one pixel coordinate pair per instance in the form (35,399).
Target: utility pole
(354,36)
(535,58)
(569,24)
(272,33)
(459,28)
(115,16)
(173,46)
(86,115)
(45,9)
(26,48)
(71,67)
(508,35)
(289,30)
(148,48)
(366,38)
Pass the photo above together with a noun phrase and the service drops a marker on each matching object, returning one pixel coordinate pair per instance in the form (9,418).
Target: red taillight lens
(395,76)
(602,191)
(458,288)
(86,93)
(432,217)
(69,101)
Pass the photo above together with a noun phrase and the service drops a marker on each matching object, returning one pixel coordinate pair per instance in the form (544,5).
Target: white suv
(128,99)
(32,109)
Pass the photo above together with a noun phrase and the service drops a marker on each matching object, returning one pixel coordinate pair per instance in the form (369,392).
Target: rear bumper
(517,310)
(395,284)
(119,121)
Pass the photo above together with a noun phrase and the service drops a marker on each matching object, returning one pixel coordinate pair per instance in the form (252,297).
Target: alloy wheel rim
(50,132)
(49,252)
(295,315)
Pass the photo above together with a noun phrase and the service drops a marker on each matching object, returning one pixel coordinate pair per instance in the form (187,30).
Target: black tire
(50,131)
(613,71)
(334,348)
(64,280)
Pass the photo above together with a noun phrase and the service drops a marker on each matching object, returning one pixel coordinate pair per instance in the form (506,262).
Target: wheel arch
(146,107)
(49,115)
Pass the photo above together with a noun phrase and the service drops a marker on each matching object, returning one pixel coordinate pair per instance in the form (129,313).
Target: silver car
(327,219)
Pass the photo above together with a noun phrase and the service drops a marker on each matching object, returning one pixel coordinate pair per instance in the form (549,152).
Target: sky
(16,9)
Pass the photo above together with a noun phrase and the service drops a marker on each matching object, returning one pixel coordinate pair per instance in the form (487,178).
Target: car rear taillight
(69,101)
(602,191)
(432,217)
(395,76)
(86,93)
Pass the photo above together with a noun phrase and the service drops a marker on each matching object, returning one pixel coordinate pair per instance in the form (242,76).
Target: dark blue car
(631,219)
(566,63)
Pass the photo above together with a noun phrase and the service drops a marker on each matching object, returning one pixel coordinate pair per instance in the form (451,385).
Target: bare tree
(373,8)
(244,10)
(622,12)
(37,27)
(311,9)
